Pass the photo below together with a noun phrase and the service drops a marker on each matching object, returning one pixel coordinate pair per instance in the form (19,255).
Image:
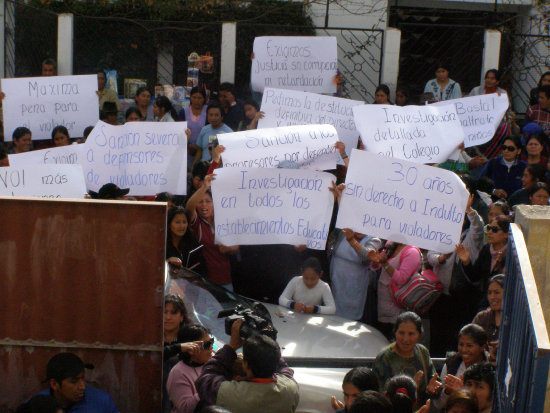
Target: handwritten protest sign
(479,116)
(70,154)
(147,157)
(272,206)
(291,107)
(42,103)
(405,202)
(307,146)
(299,63)
(422,134)
(43,181)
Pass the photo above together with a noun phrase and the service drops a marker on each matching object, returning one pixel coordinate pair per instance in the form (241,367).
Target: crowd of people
(350,279)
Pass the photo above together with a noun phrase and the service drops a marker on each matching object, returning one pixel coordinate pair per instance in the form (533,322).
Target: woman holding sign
(200,210)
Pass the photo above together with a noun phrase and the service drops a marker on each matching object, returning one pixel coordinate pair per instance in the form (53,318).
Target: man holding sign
(404,202)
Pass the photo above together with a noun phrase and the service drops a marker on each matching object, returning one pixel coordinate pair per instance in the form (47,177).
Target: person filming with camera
(268,387)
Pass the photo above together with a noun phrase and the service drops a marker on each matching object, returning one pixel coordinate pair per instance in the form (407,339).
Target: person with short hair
(480,380)
(269,386)
(207,136)
(307,293)
(540,113)
(104,94)
(461,401)
(382,95)
(233,111)
(109,113)
(371,402)
(132,114)
(65,377)
(539,194)
(49,67)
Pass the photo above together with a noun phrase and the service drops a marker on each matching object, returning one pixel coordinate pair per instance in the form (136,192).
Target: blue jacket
(94,401)
(504,178)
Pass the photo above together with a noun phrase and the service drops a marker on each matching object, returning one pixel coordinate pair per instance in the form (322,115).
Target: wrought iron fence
(524,58)
(423,45)
(359,54)
(30,36)
(524,348)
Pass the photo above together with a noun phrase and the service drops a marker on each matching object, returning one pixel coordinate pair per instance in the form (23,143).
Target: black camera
(256,320)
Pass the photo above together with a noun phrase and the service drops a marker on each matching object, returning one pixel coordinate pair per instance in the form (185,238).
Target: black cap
(65,365)
(111,191)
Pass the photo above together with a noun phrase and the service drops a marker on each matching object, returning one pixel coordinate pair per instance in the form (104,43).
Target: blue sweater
(504,178)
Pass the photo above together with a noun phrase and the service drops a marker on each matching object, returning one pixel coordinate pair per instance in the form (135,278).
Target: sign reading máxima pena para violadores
(402,201)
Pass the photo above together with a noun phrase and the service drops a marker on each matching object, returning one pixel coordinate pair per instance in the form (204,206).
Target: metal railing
(524,349)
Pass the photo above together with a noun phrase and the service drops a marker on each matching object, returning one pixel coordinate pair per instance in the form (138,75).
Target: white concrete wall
(491,52)
(390,63)
(229,49)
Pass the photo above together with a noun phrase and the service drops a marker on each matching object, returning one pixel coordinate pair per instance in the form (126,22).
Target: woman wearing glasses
(196,350)
(507,169)
(491,258)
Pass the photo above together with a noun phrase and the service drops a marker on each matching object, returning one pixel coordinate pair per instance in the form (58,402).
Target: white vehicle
(300,335)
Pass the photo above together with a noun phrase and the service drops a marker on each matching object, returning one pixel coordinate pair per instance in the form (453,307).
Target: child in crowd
(472,346)
(307,293)
(480,380)
(252,115)
(461,402)
(401,390)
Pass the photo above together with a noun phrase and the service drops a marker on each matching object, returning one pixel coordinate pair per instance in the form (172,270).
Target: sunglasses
(509,148)
(207,345)
(493,228)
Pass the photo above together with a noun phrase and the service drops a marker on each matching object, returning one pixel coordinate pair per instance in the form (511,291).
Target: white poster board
(308,63)
(272,206)
(307,146)
(421,134)
(479,116)
(43,181)
(291,107)
(42,103)
(70,154)
(147,157)
(402,201)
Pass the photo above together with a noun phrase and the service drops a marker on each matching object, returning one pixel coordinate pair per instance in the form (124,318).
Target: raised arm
(192,203)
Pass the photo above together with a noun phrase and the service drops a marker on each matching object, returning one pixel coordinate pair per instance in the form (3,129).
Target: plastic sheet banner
(42,103)
(272,206)
(304,147)
(402,201)
(43,181)
(147,157)
(308,63)
(421,134)
(292,107)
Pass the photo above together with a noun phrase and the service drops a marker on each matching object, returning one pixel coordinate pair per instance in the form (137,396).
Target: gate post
(65,44)
(228,52)
(390,58)
(491,51)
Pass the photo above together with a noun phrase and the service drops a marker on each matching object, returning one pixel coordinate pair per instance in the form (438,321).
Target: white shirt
(320,295)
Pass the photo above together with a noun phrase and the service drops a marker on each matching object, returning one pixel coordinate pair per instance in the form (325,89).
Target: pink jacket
(406,263)
(181,387)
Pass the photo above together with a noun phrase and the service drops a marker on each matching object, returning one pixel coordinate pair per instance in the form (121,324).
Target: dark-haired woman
(382,95)
(355,381)
(252,115)
(534,151)
(180,241)
(489,319)
(21,140)
(407,356)
(401,390)
(163,109)
(442,87)
(60,136)
(539,194)
(490,260)
(490,84)
(533,173)
(195,116)
(132,114)
(208,134)
(143,103)
(196,350)
(507,169)
(403,96)
(534,94)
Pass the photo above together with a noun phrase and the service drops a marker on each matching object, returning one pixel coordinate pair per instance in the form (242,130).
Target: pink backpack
(420,292)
